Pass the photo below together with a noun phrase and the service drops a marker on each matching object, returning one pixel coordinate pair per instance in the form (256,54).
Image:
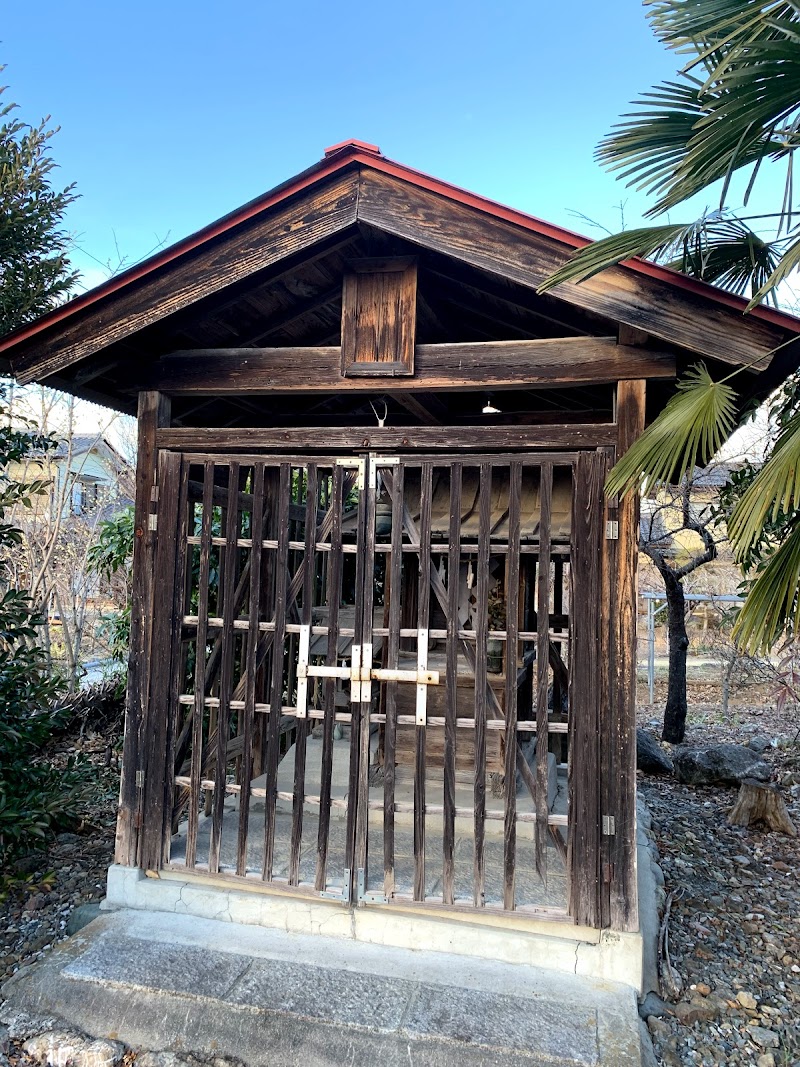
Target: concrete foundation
(172,982)
(505,938)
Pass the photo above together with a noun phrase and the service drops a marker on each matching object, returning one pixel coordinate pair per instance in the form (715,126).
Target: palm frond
(724,251)
(644,241)
(742,106)
(775,489)
(788,263)
(772,602)
(691,428)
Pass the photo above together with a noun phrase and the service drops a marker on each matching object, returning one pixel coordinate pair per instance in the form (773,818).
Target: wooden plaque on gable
(379,317)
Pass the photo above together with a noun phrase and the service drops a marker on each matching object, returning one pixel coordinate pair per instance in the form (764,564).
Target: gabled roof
(351,188)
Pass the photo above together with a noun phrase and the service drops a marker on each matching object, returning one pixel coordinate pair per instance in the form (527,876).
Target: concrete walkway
(274,999)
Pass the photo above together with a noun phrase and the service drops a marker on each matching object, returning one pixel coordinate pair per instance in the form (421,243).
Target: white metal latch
(612,530)
(361,674)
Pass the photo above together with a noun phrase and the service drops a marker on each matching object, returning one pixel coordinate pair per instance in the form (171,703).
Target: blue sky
(174,113)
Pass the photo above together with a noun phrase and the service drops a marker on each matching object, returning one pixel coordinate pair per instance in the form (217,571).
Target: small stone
(656,1026)
(763,1038)
(766,1059)
(653,1005)
(4,1040)
(61,1048)
(746,1000)
(696,1011)
(703,989)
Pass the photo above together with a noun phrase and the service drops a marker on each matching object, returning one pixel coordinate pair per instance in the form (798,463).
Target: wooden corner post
(153,414)
(619,897)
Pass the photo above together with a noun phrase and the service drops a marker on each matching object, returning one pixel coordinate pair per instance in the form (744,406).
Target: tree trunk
(761,803)
(676,708)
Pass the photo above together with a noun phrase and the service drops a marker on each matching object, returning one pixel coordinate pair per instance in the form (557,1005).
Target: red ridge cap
(337,158)
(358,146)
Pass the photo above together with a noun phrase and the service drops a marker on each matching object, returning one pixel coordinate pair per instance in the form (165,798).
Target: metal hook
(381,419)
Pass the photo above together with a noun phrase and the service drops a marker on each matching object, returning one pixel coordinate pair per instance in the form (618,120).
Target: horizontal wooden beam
(485,365)
(573,437)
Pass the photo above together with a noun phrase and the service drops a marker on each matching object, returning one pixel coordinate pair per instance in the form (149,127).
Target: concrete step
(273,999)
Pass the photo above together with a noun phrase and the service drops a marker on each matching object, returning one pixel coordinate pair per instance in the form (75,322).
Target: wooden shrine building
(383,634)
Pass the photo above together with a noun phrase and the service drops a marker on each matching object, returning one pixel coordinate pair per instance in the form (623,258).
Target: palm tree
(734,107)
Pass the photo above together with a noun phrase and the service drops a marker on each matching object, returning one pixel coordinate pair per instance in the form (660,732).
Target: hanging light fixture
(489,408)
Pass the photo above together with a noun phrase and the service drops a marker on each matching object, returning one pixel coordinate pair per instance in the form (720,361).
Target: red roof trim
(341,156)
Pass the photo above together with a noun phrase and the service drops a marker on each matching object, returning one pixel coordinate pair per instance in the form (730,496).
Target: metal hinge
(152,523)
(344,894)
(612,530)
(139,779)
(609,826)
(357,463)
(364,896)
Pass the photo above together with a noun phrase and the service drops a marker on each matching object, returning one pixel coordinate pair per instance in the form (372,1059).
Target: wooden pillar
(153,413)
(618,739)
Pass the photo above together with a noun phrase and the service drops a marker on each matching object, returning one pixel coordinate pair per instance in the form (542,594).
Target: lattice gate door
(362,666)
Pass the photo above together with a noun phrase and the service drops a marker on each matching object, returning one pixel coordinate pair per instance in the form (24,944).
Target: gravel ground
(734,929)
(735,920)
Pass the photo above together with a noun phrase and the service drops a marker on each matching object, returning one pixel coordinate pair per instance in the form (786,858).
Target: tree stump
(759,802)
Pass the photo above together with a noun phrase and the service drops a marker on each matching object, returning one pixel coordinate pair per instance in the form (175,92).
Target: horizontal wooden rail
(567,437)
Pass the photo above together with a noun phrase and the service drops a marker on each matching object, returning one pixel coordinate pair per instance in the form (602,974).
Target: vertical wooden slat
(512,628)
(250,671)
(542,665)
(333,595)
(395,587)
(228,574)
(158,776)
(178,651)
(425,503)
(366,616)
(196,766)
(451,708)
(276,689)
(583,855)
(355,846)
(621,753)
(154,412)
(482,612)
(304,725)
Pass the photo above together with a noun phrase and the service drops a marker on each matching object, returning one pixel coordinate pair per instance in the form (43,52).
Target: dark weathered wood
(333,598)
(418,409)
(356,829)
(423,624)
(542,667)
(488,364)
(278,650)
(179,646)
(304,725)
(154,412)
(196,767)
(482,629)
(511,251)
(259,243)
(419,438)
(392,661)
(584,684)
(157,776)
(228,594)
(379,315)
(621,756)
(512,628)
(449,766)
(250,670)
